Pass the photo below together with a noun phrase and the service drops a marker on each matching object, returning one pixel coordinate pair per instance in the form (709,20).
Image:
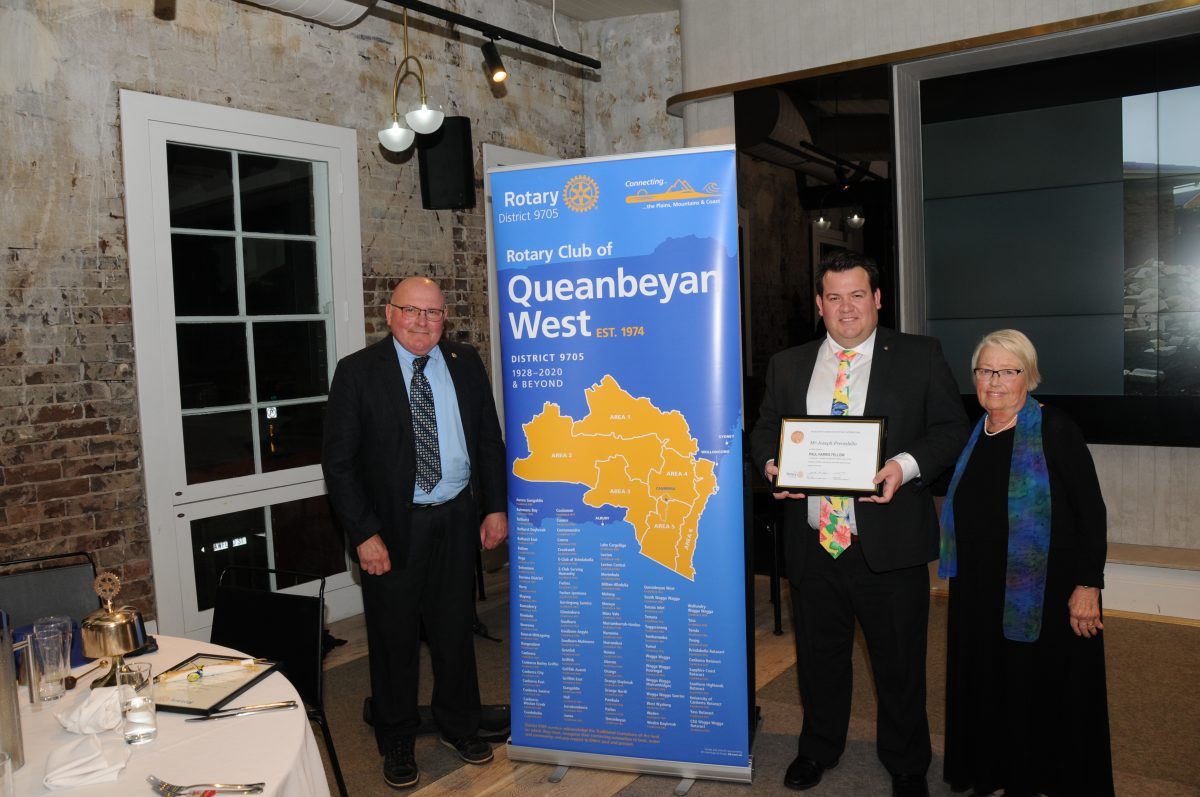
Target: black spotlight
(491,56)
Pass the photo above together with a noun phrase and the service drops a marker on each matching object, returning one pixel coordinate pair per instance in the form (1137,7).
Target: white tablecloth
(277,747)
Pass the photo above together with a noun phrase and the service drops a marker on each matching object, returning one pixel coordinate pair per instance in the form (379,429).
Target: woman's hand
(1084,606)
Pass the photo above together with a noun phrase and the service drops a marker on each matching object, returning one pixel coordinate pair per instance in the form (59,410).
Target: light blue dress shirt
(452,443)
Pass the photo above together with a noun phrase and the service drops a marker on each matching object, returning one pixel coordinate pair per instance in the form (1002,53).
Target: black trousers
(893,609)
(434,589)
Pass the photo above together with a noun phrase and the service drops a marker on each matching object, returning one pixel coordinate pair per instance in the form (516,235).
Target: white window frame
(147,123)
(906,123)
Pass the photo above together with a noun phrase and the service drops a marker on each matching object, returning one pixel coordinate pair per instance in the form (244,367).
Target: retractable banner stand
(618,282)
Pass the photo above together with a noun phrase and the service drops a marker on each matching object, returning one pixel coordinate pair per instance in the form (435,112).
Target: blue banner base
(642,766)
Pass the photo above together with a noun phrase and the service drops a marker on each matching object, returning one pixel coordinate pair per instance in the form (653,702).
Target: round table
(275,747)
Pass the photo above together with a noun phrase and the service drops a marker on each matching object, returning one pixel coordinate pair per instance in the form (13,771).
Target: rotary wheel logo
(580,193)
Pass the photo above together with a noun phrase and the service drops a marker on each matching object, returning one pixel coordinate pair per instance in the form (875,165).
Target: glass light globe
(855,221)
(821,223)
(396,138)
(424,120)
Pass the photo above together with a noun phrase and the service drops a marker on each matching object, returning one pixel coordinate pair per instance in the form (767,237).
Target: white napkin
(100,712)
(85,761)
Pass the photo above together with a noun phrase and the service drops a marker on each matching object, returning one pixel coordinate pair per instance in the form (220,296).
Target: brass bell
(111,633)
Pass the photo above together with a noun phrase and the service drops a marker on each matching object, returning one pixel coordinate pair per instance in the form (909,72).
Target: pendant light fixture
(421,119)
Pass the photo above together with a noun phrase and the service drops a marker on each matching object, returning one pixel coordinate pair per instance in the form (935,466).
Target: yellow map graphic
(632,455)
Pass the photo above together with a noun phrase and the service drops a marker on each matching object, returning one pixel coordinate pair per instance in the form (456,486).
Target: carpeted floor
(1154,704)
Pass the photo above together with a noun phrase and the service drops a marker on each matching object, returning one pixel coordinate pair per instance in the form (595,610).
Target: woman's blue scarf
(1028,525)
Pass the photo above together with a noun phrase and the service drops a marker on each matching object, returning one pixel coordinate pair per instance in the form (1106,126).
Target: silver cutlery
(162,787)
(243,711)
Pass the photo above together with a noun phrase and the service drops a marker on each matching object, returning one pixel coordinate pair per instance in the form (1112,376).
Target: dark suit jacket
(368,454)
(912,386)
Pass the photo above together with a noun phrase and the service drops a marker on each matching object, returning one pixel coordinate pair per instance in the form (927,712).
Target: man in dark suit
(413,458)
(864,559)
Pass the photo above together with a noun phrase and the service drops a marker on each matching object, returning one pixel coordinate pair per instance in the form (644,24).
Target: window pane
(1180,244)
(290,360)
(281,276)
(277,195)
(239,538)
(200,187)
(217,446)
(1178,361)
(205,272)
(290,436)
(306,539)
(212,365)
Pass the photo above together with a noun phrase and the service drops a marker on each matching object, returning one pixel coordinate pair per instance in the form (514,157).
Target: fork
(170,789)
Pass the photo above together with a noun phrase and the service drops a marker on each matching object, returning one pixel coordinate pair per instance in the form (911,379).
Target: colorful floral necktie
(429,458)
(833,525)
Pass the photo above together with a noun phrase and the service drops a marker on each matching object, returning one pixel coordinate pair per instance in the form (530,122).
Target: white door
(246,277)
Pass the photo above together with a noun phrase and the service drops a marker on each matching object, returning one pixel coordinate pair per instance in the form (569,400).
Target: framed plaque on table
(205,682)
(830,454)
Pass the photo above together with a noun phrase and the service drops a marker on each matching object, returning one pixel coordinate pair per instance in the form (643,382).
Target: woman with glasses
(1023,544)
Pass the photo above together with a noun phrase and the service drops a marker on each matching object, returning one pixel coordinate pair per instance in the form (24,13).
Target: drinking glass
(63,624)
(136,691)
(52,667)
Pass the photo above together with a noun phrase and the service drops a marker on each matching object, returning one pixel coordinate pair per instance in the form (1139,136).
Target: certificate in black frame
(796,433)
(187,695)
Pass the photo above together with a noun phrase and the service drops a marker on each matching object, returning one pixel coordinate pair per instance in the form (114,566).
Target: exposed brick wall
(70,468)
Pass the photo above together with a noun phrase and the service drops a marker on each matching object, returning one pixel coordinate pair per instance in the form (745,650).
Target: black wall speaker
(447,165)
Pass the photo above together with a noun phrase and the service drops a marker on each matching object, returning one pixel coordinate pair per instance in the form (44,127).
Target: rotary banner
(618,281)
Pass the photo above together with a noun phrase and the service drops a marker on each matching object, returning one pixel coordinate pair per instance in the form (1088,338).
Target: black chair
(40,586)
(252,618)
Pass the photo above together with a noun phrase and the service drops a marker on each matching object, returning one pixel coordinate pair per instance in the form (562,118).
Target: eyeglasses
(432,313)
(986,374)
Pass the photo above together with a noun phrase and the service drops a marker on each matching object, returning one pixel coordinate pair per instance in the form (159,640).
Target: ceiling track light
(421,119)
(495,67)
(491,31)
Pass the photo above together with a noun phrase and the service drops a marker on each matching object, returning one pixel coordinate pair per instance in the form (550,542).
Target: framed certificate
(203,683)
(830,454)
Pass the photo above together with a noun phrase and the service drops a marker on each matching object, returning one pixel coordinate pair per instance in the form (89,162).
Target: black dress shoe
(400,765)
(804,773)
(471,749)
(909,786)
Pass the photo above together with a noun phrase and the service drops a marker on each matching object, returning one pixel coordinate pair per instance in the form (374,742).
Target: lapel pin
(453,355)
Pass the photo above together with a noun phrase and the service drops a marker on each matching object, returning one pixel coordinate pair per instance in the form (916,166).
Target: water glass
(63,624)
(6,776)
(136,691)
(52,667)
